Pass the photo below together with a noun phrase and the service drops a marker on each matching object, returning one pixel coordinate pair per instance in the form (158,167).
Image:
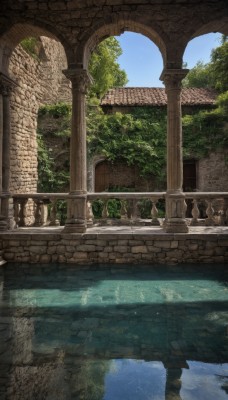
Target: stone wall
(117,249)
(213,172)
(40,80)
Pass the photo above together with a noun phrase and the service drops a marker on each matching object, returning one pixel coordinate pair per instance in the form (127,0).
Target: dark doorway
(189,175)
(101,177)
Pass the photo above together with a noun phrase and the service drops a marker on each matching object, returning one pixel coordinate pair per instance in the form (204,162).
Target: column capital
(6,84)
(80,79)
(172,78)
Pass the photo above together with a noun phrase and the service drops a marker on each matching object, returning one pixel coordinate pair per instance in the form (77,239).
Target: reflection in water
(113,334)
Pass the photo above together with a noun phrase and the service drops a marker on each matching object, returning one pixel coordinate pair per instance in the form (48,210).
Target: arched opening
(97,34)
(33,59)
(130,122)
(204,125)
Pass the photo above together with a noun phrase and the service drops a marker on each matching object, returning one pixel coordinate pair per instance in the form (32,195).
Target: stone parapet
(119,248)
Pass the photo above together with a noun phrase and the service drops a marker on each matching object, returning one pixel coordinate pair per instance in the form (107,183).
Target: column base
(175,225)
(2,261)
(74,227)
(7,224)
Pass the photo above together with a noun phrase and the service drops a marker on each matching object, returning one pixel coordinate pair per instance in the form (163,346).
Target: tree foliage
(104,68)
(219,67)
(213,74)
(199,76)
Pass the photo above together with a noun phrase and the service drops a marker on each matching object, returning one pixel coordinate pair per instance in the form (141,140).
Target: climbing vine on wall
(137,138)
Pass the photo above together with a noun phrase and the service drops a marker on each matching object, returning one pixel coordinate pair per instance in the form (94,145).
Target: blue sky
(142,59)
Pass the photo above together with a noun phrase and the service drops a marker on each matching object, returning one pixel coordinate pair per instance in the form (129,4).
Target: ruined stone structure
(39,81)
(79,26)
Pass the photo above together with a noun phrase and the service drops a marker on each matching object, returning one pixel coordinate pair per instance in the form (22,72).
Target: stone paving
(148,230)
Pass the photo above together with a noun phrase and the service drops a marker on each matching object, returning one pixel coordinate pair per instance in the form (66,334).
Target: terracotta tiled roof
(142,96)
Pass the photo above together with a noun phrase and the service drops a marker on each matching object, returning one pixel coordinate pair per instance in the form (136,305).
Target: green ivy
(31,45)
(137,138)
(204,132)
(50,180)
(55,110)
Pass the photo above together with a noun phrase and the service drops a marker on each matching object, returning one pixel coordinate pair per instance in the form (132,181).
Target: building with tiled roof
(156,97)
(123,100)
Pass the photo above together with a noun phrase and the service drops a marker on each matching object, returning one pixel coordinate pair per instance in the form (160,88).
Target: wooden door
(101,177)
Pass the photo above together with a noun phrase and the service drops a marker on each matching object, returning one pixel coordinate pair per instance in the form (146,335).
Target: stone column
(76,210)
(173,383)
(175,199)
(6,85)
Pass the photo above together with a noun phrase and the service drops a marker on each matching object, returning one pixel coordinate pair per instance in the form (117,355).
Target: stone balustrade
(147,208)
(130,208)
(207,208)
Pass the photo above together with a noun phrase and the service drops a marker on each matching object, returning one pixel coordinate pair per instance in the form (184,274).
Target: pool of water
(117,333)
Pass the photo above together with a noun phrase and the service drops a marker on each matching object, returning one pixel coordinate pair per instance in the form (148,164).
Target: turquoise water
(119,333)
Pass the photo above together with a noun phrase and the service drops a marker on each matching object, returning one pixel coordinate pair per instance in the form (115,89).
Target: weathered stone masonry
(106,248)
(80,25)
(39,81)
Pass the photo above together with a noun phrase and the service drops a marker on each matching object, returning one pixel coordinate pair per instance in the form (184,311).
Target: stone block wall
(213,172)
(40,80)
(121,248)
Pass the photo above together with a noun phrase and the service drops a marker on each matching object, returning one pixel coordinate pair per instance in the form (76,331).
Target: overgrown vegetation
(32,46)
(53,121)
(139,137)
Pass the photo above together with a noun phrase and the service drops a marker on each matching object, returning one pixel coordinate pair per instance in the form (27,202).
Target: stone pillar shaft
(6,85)
(175,202)
(76,215)
(174,142)
(1,137)
(6,144)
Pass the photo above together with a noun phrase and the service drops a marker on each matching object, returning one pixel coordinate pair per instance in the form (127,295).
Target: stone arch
(116,27)
(91,168)
(217,25)
(26,97)
(19,31)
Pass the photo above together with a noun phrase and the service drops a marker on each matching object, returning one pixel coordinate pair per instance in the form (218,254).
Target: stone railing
(203,208)
(131,207)
(45,210)
(207,208)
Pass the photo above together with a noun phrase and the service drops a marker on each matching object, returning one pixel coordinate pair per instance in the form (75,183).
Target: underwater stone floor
(126,333)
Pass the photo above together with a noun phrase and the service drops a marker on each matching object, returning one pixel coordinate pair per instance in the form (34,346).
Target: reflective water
(113,334)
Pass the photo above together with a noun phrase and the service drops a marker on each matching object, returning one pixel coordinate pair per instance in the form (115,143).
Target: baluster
(54,221)
(123,210)
(89,213)
(38,213)
(154,213)
(135,215)
(16,207)
(105,210)
(209,221)
(224,213)
(195,213)
(22,212)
